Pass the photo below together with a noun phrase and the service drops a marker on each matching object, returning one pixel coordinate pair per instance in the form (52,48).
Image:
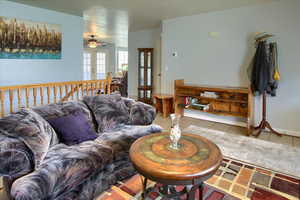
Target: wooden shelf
(243,90)
(216,99)
(232,101)
(222,113)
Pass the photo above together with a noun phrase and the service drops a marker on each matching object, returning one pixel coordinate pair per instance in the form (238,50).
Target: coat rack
(264,123)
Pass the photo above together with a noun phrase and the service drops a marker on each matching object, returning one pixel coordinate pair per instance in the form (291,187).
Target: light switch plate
(214,34)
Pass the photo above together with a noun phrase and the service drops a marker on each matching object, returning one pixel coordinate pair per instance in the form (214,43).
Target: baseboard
(288,132)
(231,121)
(210,117)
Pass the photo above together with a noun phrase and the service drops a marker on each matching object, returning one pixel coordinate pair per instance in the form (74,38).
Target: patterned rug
(233,181)
(252,150)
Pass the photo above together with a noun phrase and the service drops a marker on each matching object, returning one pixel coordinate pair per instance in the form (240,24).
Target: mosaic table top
(196,156)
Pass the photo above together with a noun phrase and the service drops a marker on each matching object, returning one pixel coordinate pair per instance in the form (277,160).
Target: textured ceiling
(110,20)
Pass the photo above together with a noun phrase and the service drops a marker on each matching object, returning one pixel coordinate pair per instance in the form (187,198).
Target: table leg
(192,193)
(201,191)
(158,104)
(144,188)
(166,107)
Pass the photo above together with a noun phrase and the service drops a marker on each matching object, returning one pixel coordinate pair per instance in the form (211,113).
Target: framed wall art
(22,39)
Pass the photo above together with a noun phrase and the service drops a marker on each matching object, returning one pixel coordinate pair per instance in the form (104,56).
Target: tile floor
(235,179)
(185,122)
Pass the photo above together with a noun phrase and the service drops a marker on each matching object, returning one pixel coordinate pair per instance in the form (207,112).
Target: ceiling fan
(93,43)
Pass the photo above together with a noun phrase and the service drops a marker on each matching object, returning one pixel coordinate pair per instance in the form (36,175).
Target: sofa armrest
(63,169)
(16,159)
(142,114)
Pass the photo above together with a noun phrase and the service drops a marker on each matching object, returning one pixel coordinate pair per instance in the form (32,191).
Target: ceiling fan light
(92,44)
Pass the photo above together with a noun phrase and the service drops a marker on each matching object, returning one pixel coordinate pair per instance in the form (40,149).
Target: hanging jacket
(263,71)
(274,72)
(260,76)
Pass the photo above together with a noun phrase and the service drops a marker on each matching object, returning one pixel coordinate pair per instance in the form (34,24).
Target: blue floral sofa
(37,166)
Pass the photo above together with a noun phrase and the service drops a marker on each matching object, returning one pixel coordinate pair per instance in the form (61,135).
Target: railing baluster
(100,87)
(27,97)
(97,87)
(91,89)
(34,96)
(105,90)
(82,90)
(55,93)
(19,94)
(72,90)
(108,88)
(42,95)
(66,90)
(78,90)
(11,100)
(2,92)
(14,97)
(60,92)
(86,89)
(48,94)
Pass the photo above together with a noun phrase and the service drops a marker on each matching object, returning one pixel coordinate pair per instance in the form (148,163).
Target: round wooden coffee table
(195,161)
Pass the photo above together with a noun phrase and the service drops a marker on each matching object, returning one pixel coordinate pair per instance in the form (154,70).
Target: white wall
(223,61)
(17,71)
(140,39)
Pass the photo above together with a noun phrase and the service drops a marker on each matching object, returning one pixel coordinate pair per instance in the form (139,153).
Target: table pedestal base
(169,191)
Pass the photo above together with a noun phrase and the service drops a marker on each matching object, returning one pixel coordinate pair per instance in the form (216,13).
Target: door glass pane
(142,93)
(101,65)
(142,78)
(148,94)
(149,77)
(87,66)
(142,59)
(149,59)
(122,60)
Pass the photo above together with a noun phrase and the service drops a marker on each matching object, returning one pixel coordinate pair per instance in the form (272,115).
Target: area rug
(235,180)
(278,157)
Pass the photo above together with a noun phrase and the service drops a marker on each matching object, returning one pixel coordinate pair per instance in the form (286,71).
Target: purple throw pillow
(73,129)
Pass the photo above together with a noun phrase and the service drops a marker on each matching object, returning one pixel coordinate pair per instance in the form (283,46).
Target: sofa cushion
(109,111)
(73,129)
(142,114)
(139,112)
(122,137)
(16,159)
(32,129)
(53,111)
(63,169)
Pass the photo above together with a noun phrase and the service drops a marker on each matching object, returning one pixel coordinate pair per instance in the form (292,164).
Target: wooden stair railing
(13,98)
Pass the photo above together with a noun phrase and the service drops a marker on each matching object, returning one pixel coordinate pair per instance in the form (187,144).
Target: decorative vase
(175,133)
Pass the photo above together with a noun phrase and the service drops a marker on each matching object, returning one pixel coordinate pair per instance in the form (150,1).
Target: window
(122,60)
(101,65)
(87,66)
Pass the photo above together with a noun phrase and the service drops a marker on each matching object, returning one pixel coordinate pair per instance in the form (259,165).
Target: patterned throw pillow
(109,111)
(53,111)
(33,130)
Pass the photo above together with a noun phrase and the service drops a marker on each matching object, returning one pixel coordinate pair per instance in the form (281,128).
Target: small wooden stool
(164,104)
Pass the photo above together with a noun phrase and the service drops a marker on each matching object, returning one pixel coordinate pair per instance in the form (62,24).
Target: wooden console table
(230,101)
(164,104)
